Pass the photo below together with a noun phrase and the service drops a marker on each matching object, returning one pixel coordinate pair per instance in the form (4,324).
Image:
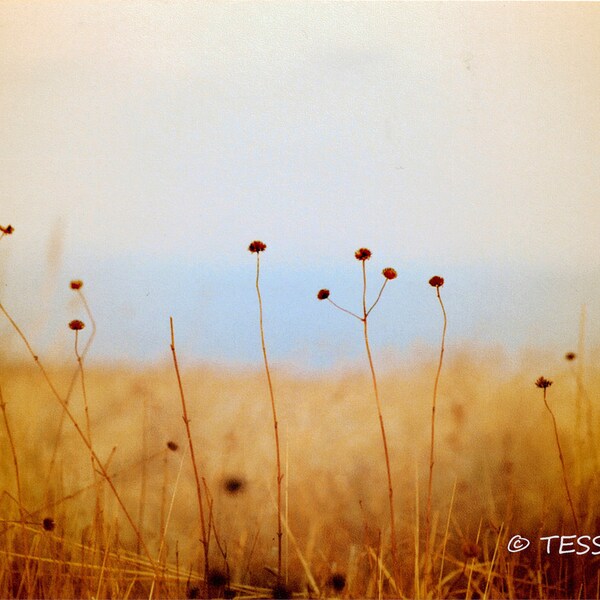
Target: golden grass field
(180,480)
(497,474)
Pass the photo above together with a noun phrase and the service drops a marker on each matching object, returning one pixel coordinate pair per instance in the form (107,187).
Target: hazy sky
(448,134)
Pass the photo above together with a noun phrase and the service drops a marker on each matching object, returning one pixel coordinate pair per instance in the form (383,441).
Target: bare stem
(432,445)
(61,422)
(378,296)
(16,464)
(97,509)
(349,312)
(394,545)
(562,462)
(275,423)
(81,434)
(204,536)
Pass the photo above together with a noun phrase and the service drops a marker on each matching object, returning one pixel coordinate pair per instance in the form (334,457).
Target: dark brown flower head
(7,230)
(323,294)
(470,550)
(337,581)
(48,524)
(543,383)
(193,592)
(257,246)
(281,591)
(234,485)
(76,325)
(389,273)
(362,254)
(76,284)
(172,446)
(570,356)
(436,281)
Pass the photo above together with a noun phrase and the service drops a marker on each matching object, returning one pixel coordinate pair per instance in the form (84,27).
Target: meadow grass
(68,531)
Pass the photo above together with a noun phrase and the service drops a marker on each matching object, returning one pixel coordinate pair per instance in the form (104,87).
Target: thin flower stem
(562,462)
(378,297)
(432,446)
(382,427)
(61,422)
(82,435)
(16,465)
(97,509)
(205,539)
(275,423)
(344,310)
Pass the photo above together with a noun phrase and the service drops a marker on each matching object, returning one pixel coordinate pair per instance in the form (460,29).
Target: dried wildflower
(570,356)
(281,591)
(257,246)
(337,581)
(470,550)
(193,592)
(172,446)
(389,273)
(323,294)
(233,485)
(7,230)
(76,325)
(48,524)
(76,284)
(543,383)
(216,578)
(436,281)
(362,254)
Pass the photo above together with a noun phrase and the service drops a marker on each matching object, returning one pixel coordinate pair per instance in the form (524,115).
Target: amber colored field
(497,474)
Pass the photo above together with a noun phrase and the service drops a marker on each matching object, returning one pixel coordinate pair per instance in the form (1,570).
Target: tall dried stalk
(205,537)
(364,254)
(257,247)
(76,285)
(13,451)
(436,282)
(544,384)
(77,326)
(98,464)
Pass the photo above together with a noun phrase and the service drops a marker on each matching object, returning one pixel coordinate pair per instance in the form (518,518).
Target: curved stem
(84,439)
(344,310)
(378,297)
(382,427)
(432,443)
(275,423)
(186,420)
(562,462)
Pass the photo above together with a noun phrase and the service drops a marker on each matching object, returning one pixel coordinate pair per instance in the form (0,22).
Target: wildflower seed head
(436,281)
(257,246)
(362,254)
(389,273)
(543,383)
(337,581)
(76,284)
(281,591)
(216,578)
(234,485)
(7,230)
(172,446)
(48,524)
(323,294)
(76,325)
(570,356)
(470,550)
(193,592)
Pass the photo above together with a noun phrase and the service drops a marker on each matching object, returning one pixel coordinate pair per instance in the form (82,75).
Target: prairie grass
(497,475)
(68,531)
